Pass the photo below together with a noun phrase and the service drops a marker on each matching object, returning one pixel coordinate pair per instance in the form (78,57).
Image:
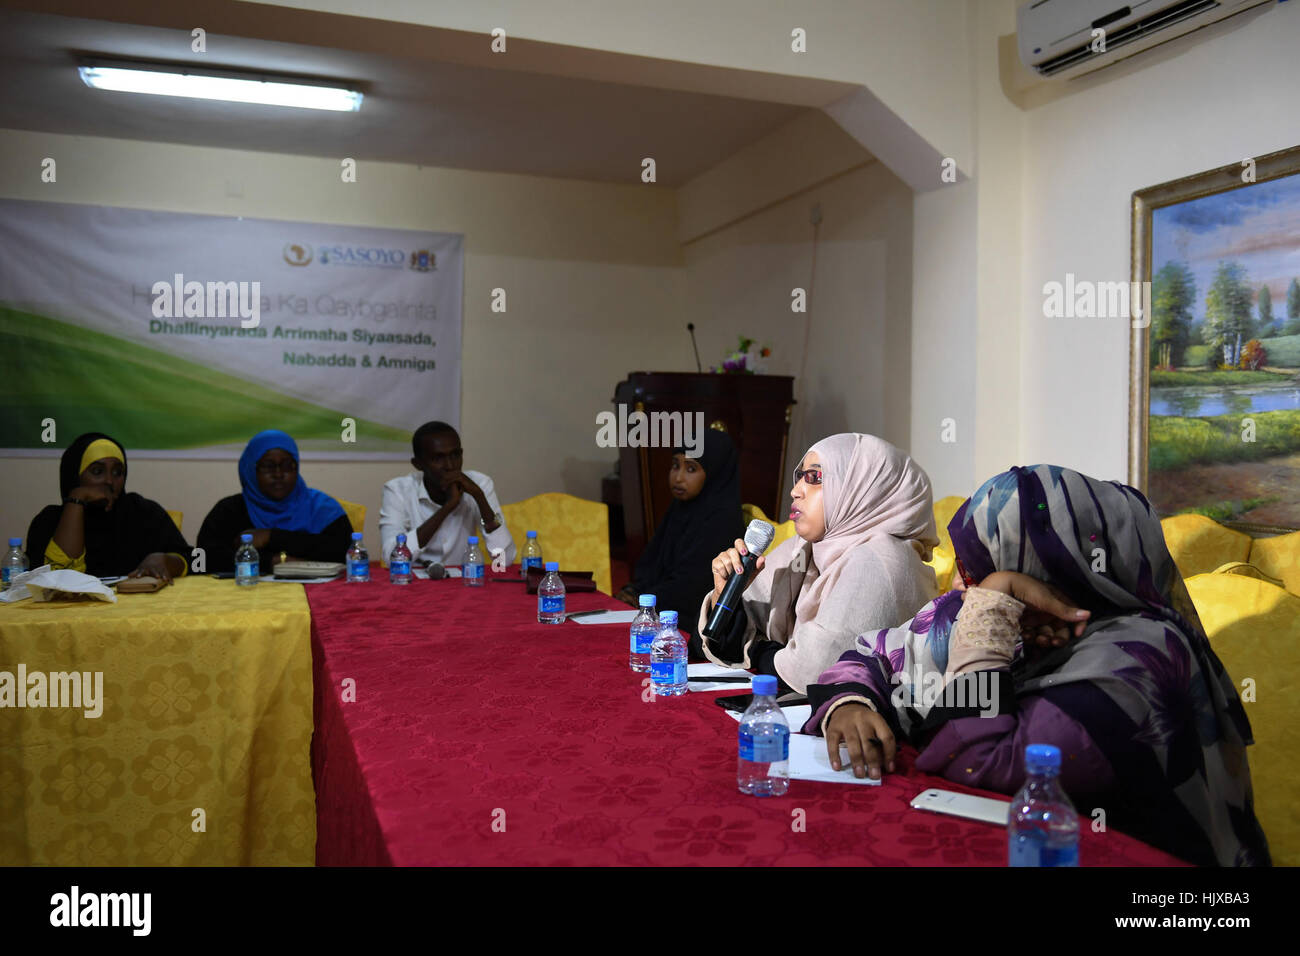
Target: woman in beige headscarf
(864,520)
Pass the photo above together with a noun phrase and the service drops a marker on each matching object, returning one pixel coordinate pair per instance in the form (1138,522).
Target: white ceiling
(417,110)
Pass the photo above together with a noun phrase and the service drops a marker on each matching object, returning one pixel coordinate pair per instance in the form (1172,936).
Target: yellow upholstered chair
(944,561)
(177,517)
(1254,627)
(1199,544)
(783,530)
(1249,571)
(572,531)
(356,515)
(1279,558)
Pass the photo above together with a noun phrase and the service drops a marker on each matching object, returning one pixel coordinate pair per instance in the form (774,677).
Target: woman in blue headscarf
(285,517)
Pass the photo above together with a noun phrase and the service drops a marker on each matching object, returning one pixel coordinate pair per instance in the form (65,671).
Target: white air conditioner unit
(1056,37)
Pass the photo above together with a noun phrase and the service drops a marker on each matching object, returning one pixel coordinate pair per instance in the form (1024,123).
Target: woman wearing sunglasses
(864,521)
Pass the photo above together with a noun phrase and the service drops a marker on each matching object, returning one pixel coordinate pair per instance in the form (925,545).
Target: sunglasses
(812,476)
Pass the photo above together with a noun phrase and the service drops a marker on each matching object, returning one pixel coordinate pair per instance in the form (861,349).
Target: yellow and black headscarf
(118,540)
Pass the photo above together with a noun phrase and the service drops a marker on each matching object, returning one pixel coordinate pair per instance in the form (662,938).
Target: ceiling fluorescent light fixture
(232,89)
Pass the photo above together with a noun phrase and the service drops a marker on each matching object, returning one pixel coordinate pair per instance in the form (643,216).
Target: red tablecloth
(478,736)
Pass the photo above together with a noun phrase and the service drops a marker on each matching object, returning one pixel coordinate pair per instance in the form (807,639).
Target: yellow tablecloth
(202,753)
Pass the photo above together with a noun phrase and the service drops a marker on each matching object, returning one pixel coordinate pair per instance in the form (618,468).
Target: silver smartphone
(963,805)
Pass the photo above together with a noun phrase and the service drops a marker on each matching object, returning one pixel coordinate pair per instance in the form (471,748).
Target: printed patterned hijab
(1142,680)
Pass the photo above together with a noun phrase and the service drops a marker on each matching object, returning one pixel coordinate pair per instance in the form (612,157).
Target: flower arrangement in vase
(748,359)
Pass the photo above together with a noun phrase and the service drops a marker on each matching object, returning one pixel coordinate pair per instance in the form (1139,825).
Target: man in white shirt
(438,506)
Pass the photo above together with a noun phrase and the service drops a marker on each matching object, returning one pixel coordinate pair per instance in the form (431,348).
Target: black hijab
(675,566)
(116,541)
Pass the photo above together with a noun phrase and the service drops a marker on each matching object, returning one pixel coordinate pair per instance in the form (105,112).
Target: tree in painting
(1227,314)
(1173,290)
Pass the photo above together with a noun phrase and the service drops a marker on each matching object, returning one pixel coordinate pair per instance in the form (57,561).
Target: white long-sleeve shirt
(407,505)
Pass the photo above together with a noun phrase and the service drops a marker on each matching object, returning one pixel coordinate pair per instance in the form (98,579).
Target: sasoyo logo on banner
(366,256)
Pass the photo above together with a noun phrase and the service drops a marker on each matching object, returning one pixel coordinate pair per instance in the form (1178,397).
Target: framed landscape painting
(1214,402)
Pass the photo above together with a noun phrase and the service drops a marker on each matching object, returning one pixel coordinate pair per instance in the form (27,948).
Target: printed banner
(183,335)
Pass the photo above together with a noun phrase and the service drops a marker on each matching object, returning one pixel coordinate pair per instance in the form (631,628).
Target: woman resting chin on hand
(1106,661)
(101,528)
(1047,619)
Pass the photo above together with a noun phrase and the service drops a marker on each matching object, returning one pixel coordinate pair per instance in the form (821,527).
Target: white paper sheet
(66,584)
(17,590)
(606,617)
(809,761)
(709,669)
(808,757)
(796,715)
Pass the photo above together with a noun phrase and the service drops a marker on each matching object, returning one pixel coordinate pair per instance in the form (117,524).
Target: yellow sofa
(572,531)
(1254,627)
(944,561)
(1200,545)
(1247,594)
(356,517)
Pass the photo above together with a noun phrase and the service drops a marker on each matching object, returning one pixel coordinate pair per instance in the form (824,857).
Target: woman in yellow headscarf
(100,528)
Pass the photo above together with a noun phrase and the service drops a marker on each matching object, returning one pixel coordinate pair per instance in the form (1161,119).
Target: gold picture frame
(1145,202)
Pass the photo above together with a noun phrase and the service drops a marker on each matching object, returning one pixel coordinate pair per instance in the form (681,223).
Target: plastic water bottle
(1043,829)
(399,562)
(472,569)
(763,768)
(358,561)
(15,562)
(550,596)
(668,658)
(247,564)
(532,556)
(645,626)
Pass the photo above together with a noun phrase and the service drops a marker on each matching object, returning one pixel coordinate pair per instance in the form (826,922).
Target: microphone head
(437,571)
(759,535)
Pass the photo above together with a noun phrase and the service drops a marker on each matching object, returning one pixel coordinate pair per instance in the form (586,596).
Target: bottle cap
(552,565)
(646,600)
(401,539)
(668,618)
(530,534)
(1039,757)
(473,539)
(765,685)
(357,535)
(246,538)
(15,542)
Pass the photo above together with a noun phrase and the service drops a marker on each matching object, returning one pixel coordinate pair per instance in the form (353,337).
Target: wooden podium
(753,409)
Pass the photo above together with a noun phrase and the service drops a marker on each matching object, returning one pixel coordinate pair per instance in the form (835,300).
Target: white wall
(1230,97)
(589,269)
(911,54)
(856,268)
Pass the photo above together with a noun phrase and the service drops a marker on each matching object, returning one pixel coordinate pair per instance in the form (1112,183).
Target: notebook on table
(308,570)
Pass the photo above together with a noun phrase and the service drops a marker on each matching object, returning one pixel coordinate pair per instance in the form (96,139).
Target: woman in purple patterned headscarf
(1080,634)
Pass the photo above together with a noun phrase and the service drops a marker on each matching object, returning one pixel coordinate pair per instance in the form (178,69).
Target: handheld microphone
(758,536)
(436,571)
